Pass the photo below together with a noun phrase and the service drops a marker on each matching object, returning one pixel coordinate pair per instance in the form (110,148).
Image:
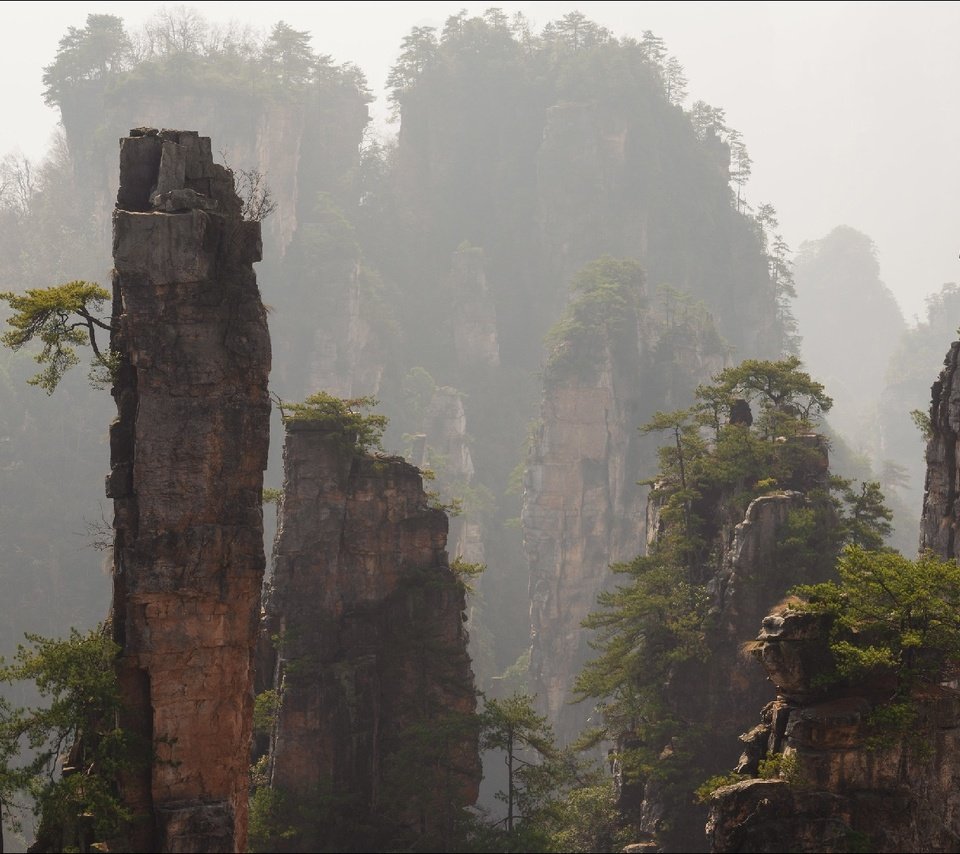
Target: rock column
(938,523)
(374,730)
(188,450)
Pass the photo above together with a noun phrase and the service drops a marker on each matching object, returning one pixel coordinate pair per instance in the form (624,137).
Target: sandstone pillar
(374,732)
(188,450)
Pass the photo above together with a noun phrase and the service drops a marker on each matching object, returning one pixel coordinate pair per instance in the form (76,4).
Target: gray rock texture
(364,638)
(841,789)
(188,450)
(938,523)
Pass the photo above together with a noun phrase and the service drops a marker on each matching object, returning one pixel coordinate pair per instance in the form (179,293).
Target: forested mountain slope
(423,269)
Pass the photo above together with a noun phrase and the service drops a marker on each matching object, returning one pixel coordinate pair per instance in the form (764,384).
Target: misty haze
(521,428)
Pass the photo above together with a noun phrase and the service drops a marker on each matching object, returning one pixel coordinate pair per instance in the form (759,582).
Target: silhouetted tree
(674,81)
(102,47)
(417,51)
(288,56)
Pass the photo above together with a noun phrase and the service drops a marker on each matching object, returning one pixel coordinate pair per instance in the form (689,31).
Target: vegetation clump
(67,755)
(554,800)
(60,318)
(345,419)
(892,618)
(608,295)
(658,626)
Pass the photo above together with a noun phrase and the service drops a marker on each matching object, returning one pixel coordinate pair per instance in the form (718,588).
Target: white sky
(846,107)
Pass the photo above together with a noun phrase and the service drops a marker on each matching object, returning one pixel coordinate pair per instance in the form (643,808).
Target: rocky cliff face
(374,682)
(582,507)
(582,208)
(445,442)
(847,791)
(840,789)
(264,136)
(749,582)
(719,694)
(347,352)
(474,315)
(617,198)
(188,450)
(582,511)
(941,513)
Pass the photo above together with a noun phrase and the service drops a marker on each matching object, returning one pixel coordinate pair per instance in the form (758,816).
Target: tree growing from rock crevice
(61,318)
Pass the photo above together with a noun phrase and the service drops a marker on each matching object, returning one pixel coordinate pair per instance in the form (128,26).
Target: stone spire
(188,450)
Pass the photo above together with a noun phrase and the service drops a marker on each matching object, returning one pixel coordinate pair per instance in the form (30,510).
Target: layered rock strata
(369,651)
(840,789)
(188,450)
(846,791)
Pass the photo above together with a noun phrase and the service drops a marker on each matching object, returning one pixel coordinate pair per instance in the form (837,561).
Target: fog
(555,264)
(845,107)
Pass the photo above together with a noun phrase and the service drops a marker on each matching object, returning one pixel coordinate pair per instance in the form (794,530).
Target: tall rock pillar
(374,732)
(941,512)
(188,450)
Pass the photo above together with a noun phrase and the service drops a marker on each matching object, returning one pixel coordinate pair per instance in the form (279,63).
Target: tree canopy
(289,57)
(892,616)
(345,419)
(790,400)
(71,749)
(60,318)
(102,47)
(554,801)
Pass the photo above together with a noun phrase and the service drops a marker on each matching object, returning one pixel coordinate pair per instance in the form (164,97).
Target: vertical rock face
(475,316)
(592,205)
(346,353)
(370,662)
(605,179)
(582,507)
(846,791)
(850,791)
(445,437)
(582,511)
(749,582)
(720,696)
(938,523)
(188,452)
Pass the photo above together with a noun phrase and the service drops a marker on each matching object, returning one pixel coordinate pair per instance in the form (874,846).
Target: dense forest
(572,320)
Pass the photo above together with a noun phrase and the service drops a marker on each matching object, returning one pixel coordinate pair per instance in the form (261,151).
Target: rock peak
(188,450)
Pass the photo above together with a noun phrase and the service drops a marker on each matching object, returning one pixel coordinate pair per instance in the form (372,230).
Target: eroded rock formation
(841,788)
(719,695)
(474,317)
(582,511)
(347,350)
(188,450)
(374,684)
(445,443)
(847,789)
(941,512)
(582,507)
(616,199)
